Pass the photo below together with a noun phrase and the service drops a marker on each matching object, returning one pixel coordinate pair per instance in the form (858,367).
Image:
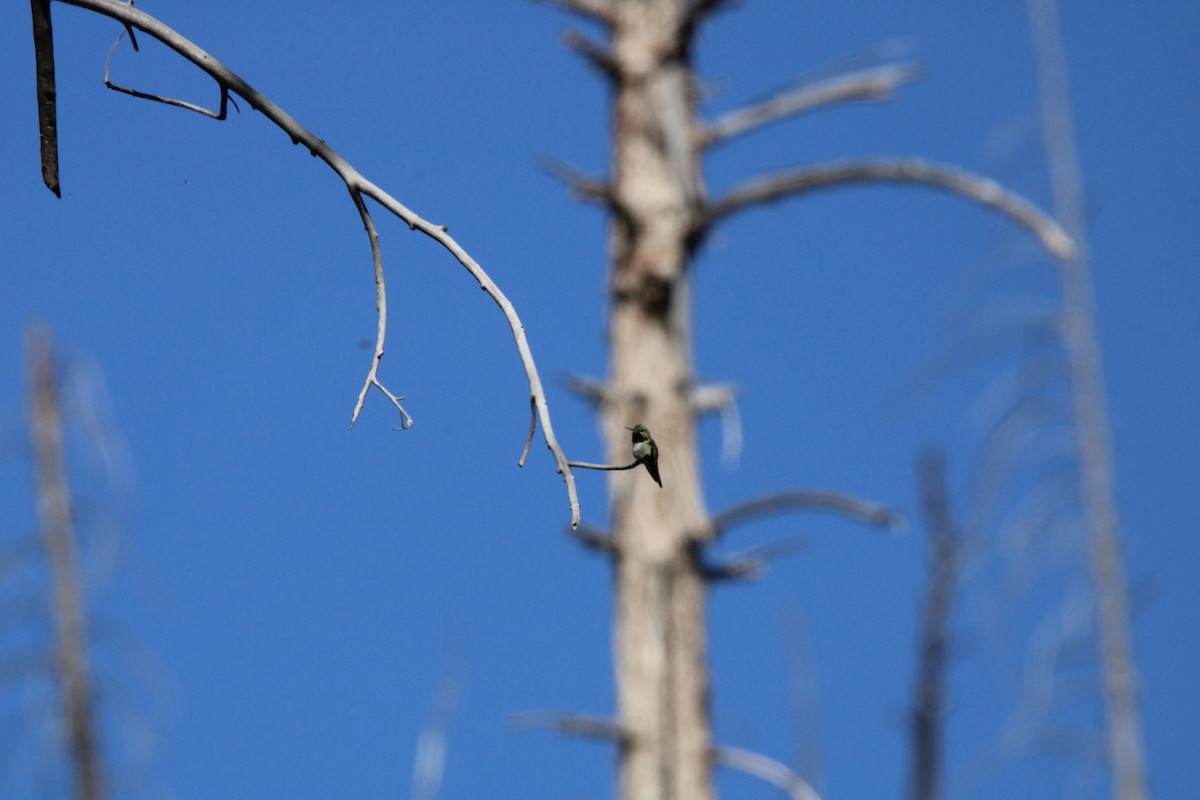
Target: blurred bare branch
(581,725)
(941,589)
(722,398)
(594,538)
(768,769)
(807,500)
(750,564)
(875,84)
(429,766)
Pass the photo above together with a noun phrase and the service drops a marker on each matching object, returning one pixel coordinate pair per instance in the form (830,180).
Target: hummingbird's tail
(652,468)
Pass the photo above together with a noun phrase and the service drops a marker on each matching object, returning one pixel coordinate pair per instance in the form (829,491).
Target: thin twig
(810,500)
(877,84)
(611,467)
(984,191)
(219,114)
(355,183)
(532,428)
(768,769)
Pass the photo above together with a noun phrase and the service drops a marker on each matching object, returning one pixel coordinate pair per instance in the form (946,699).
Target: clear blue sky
(301,583)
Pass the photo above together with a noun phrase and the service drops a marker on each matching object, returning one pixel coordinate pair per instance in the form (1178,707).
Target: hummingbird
(645,451)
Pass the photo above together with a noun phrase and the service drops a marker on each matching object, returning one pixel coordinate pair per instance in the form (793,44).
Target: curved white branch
(768,769)
(984,191)
(358,185)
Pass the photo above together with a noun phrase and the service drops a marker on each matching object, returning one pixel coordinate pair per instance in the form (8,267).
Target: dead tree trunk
(1125,748)
(58,532)
(660,636)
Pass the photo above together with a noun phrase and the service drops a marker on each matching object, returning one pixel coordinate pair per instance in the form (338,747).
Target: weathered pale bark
(660,637)
(58,533)
(1125,748)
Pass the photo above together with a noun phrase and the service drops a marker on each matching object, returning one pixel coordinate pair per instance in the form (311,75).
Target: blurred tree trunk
(660,634)
(1125,748)
(58,532)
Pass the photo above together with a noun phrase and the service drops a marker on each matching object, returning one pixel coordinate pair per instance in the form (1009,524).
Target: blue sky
(302,585)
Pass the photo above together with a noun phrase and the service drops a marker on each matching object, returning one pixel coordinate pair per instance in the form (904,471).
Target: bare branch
(357,184)
(768,769)
(381,313)
(981,190)
(581,725)
(597,10)
(596,53)
(874,85)
(594,538)
(810,500)
(929,692)
(43,50)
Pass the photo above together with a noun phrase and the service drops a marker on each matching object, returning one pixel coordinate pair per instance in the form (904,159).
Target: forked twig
(219,114)
(381,313)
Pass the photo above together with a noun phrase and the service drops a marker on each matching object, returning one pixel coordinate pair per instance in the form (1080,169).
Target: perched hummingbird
(645,451)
